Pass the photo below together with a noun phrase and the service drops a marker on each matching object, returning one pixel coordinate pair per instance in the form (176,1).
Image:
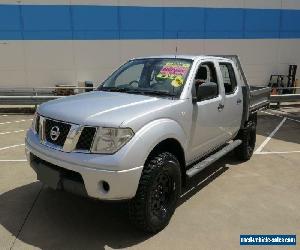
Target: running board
(212,158)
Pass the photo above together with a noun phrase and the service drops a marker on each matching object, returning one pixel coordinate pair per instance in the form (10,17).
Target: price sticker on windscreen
(174,71)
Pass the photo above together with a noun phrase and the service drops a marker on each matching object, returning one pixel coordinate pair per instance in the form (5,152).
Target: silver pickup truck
(155,122)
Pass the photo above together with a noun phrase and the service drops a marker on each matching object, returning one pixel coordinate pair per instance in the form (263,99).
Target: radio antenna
(176,49)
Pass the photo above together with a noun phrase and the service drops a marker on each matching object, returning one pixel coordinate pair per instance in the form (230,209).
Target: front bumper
(50,166)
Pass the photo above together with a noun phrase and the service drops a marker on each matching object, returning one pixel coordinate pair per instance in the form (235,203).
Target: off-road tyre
(248,136)
(158,192)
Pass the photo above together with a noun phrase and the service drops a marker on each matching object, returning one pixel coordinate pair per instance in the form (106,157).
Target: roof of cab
(190,57)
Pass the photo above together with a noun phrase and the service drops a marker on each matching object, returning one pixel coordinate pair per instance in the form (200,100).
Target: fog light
(104,186)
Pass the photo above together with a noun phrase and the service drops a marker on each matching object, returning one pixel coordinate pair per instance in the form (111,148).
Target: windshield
(153,76)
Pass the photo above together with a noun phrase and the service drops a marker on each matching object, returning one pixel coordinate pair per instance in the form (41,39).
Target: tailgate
(259,98)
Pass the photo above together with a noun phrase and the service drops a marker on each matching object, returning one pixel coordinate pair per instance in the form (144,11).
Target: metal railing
(280,97)
(36,96)
(285,98)
(26,100)
(19,91)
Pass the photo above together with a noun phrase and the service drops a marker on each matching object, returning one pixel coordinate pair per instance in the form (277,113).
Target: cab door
(233,99)
(207,115)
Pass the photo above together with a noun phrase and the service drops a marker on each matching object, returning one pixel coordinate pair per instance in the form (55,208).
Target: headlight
(34,122)
(110,140)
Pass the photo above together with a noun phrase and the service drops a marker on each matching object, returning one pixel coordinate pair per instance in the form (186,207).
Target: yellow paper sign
(177,82)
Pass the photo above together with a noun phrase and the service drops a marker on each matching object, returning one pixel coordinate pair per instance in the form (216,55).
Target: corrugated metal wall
(47,42)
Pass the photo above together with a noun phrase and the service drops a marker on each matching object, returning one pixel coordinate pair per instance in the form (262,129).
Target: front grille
(63,129)
(86,138)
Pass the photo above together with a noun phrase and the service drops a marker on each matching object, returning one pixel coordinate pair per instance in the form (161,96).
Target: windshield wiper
(138,91)
(156,92)
(114,89)
(149,92)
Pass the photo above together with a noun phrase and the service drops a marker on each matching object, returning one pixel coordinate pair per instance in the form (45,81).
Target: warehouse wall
(47,42)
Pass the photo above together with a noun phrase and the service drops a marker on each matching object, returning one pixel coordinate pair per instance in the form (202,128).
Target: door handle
(238,101)
(220,107)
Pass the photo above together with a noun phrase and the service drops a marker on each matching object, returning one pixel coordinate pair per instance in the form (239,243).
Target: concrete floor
(229,198)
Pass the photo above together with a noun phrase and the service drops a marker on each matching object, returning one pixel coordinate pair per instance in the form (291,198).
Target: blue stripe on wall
(80,22)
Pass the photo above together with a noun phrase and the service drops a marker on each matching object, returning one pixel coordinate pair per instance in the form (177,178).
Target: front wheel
(157,195)
(248,136)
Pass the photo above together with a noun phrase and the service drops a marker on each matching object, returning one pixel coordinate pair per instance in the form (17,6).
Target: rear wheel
(156,198)
(248,136)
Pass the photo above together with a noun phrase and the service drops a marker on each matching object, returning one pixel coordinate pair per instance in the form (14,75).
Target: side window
(206,73)
(206,82)
(229,79)
(130,75)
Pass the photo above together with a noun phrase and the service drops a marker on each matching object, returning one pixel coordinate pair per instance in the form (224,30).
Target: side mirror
(205,91)
(194,92)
